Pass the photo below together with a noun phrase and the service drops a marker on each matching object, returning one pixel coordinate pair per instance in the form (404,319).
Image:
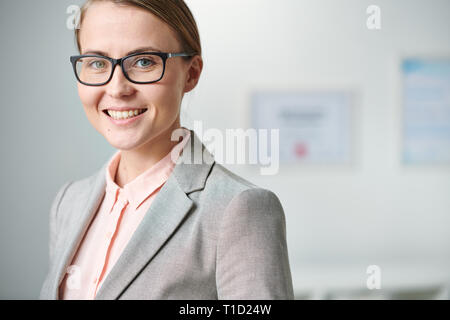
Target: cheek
(89,97)
(164,102)
(172,92)
(165,95)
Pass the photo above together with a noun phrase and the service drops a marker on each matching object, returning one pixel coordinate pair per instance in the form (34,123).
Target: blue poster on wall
(426,110)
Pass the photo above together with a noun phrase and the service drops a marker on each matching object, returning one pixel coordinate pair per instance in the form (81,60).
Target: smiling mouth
(122,115)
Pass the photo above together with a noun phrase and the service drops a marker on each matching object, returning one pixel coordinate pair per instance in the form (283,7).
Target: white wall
(339,220)
(378,211)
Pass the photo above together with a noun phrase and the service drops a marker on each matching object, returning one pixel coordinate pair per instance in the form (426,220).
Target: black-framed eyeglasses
(139,68)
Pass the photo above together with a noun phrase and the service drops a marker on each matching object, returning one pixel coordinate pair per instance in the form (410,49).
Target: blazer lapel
(166,213)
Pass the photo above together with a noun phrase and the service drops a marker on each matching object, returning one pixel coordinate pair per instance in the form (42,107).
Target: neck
(135,162)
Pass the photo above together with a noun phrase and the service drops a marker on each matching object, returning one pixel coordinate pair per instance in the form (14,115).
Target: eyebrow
(138,50)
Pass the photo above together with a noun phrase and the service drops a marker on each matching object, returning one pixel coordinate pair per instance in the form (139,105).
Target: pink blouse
(117,218)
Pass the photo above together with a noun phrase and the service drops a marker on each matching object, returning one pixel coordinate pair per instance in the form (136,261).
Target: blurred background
(376,219)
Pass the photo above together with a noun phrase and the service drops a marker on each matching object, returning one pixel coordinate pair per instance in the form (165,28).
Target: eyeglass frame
(164,56)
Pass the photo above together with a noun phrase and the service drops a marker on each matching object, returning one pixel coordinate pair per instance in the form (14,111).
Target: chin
(124,145)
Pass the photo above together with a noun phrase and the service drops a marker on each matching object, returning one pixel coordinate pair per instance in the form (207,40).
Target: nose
(119,86)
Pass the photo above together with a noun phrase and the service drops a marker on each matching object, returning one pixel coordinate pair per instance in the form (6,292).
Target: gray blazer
(209,234)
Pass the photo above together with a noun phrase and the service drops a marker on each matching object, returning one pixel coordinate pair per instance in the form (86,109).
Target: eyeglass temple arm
(170,55)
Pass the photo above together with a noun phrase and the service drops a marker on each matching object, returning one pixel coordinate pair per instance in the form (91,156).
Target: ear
(195,68)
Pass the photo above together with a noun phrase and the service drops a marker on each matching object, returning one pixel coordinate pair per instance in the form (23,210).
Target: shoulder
(73,188)
(233,195)
(86,183)
(70,192)
(250,228)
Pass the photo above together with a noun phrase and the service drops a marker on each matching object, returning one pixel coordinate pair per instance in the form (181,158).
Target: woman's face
(115,31)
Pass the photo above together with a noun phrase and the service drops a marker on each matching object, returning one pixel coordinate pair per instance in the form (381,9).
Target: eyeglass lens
(139,68)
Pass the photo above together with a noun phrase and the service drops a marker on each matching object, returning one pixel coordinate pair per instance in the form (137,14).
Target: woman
(151,224)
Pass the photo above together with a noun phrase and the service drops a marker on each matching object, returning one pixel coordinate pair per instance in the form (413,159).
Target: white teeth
(119,115)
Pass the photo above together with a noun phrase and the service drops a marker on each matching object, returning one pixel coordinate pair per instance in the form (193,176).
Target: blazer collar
(164,215)
(194,165)
(145,184)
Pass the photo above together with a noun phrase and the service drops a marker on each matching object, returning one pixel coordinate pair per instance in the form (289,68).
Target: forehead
(117,29)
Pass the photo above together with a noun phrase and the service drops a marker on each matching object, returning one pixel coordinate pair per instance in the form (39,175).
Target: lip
(124,122)
(122,108)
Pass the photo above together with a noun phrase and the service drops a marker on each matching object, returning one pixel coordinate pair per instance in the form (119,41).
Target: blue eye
(98,64)
(144,62)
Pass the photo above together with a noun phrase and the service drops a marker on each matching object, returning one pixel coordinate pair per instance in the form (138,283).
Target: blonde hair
(173,12)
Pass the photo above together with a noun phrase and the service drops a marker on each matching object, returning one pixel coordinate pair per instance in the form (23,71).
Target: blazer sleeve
(44,293)
(252,255)
(53,219)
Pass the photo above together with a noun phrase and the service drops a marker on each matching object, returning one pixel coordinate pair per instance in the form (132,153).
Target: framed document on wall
(315,127)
